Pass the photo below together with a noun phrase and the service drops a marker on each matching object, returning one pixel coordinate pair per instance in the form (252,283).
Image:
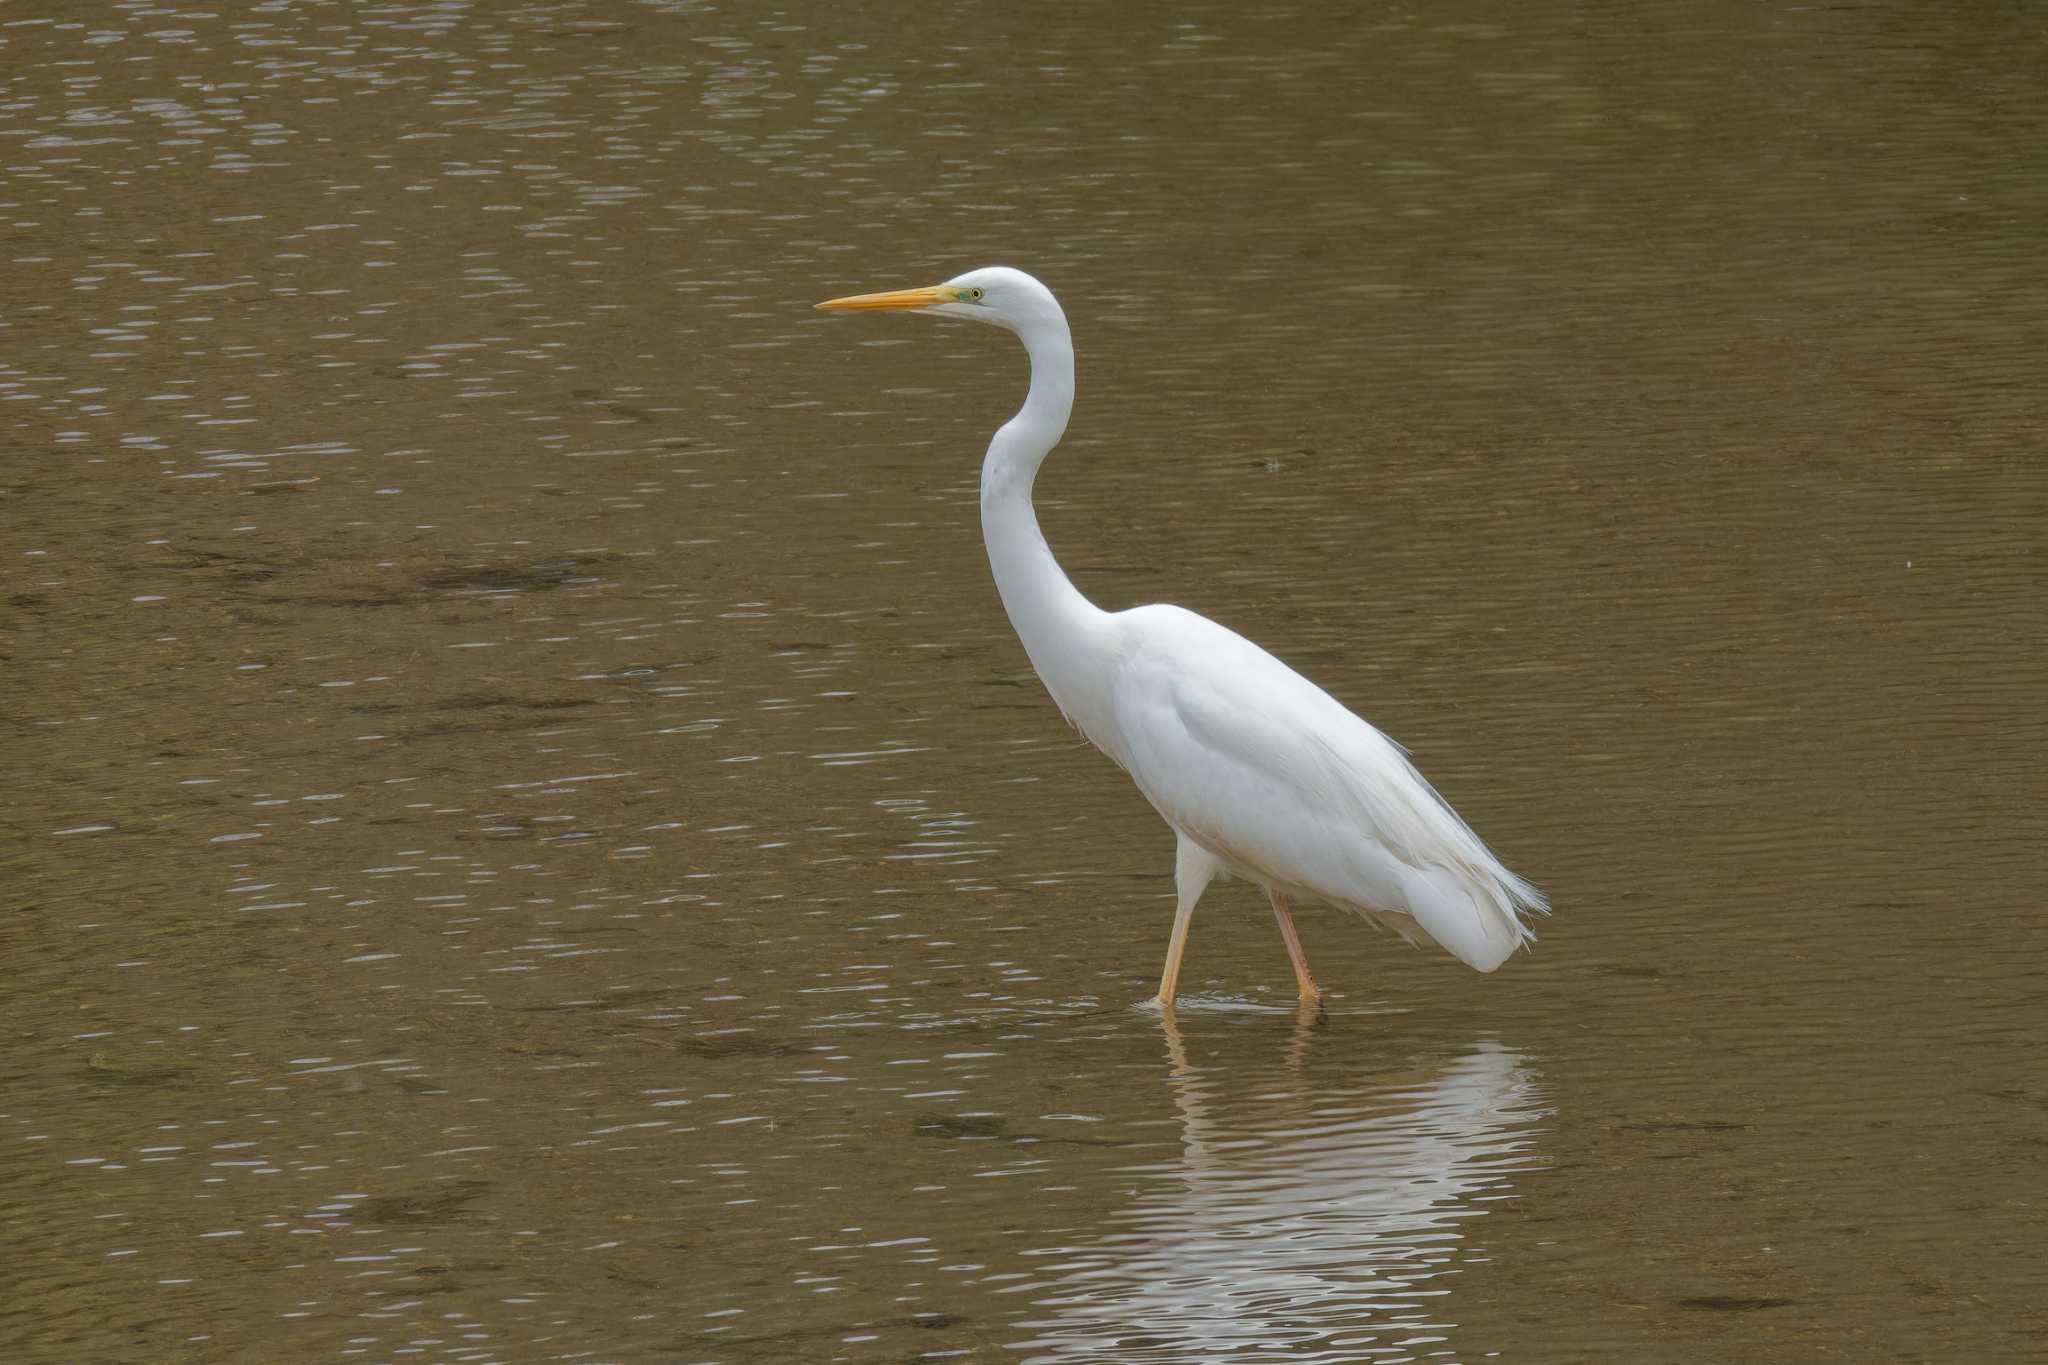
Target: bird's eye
(974,295)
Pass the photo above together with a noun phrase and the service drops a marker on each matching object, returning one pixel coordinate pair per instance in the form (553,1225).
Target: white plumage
(1271,776)
(1261,774)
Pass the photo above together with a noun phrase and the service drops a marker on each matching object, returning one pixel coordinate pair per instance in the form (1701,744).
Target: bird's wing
(1264,767)
(1229,744)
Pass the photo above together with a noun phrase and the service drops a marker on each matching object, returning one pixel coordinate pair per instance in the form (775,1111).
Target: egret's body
(1261,774)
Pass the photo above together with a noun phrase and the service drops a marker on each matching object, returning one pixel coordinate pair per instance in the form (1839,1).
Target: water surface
(533,840)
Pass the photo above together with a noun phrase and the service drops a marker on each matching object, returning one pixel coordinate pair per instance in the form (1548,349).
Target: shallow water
(533,839)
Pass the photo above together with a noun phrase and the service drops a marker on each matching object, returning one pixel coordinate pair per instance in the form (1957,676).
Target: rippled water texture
(532,840)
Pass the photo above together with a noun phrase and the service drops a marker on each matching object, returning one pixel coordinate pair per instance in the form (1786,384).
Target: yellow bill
(927,297)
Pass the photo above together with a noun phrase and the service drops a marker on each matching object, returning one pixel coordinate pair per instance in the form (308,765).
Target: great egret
(1261,774)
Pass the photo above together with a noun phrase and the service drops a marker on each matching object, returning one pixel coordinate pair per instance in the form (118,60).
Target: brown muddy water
(532,840)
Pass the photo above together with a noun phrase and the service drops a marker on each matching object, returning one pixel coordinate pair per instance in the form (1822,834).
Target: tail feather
(1478,920)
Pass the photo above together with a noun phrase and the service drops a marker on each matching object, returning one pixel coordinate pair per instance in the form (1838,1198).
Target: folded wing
(1266,770)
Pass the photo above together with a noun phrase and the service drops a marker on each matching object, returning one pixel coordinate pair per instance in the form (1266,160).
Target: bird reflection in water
(1298,1224)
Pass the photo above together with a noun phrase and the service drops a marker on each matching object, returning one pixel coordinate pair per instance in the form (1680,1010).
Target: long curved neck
(1064,633)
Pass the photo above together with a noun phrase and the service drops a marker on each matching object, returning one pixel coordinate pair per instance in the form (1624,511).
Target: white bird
(1261,774)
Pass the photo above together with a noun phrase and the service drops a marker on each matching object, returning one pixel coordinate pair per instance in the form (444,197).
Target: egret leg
(1302,978)
(1175,946)
(1193,869)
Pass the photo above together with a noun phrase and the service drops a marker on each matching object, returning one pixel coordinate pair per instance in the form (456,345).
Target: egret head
(994,294)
